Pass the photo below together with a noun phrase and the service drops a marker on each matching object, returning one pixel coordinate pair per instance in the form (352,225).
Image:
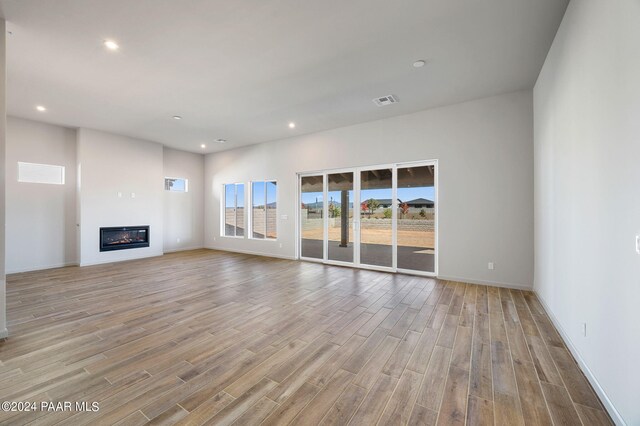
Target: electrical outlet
(491,266)
(584,329)
(280,245)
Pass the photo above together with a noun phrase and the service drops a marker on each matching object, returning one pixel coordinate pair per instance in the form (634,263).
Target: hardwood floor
(220,338)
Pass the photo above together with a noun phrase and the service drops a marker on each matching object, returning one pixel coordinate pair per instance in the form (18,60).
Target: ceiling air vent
(385,100)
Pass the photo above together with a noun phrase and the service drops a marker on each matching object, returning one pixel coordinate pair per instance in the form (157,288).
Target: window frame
(250,216)
(186,184)
(223,211)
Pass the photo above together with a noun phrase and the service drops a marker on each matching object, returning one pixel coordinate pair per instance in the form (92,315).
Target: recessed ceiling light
(111,45)
(203,146)
(41,108)
(292,125)
(419,64)
(177,117)
(221,140)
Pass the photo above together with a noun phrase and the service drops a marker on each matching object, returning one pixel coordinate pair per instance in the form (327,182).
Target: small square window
(176,184)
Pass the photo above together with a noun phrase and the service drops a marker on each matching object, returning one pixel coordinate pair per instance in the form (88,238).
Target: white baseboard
(465,280)
(4,333)
(608,405)
(41,267)
(184,249)
(489,283)
(254,253)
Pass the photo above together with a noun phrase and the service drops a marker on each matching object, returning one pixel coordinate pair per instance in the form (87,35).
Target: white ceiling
(242,69)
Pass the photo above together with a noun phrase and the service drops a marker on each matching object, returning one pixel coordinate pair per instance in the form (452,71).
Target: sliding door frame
(326,218)
(299,218)
(358,171)
(355,228)
(436,216)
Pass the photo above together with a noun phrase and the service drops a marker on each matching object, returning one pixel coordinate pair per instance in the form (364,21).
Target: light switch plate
(638,244)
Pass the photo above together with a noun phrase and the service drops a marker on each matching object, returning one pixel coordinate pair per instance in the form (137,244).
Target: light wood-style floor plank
(208,337)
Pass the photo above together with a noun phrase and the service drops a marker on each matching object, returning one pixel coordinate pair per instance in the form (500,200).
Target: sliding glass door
(416,218)
(376,224)
(339,221)
(381,217)
(311,217)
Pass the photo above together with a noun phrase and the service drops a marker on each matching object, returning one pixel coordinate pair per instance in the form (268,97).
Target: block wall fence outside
(495,141)
(476,143)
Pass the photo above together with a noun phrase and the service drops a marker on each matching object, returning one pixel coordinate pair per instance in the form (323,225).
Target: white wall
(3,119)
(184,211)
(41,219)
(485,153)
(110,164)
(587,194)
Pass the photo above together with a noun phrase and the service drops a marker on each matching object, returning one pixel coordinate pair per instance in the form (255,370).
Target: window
(264,210)
(233,214)
(176,184)
(40,173)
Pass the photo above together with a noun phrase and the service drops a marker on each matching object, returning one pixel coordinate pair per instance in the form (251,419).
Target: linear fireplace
(124,237)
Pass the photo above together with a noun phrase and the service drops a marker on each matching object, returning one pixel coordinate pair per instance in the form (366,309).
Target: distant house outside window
(176,184)
(40,173)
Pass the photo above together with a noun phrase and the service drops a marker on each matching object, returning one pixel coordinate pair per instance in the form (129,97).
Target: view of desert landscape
(406,237)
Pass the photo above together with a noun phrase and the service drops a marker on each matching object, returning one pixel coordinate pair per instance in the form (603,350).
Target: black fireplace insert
(124,237)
